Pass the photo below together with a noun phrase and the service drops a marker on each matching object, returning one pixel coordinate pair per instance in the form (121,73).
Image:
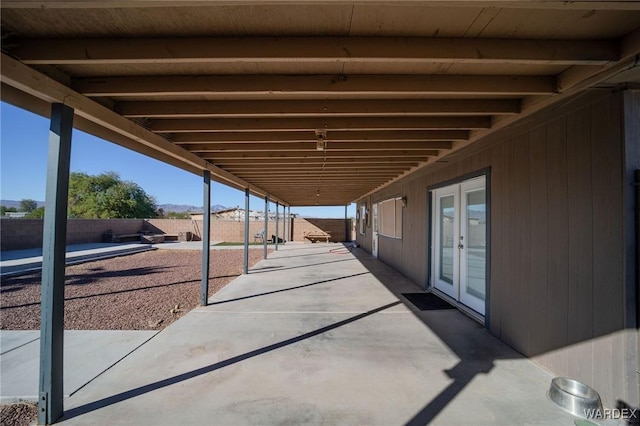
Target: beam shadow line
(129,290)
(141,390)
(276,268)
(287,289)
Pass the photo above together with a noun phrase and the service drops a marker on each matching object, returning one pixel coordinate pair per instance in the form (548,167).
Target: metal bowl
(574,397)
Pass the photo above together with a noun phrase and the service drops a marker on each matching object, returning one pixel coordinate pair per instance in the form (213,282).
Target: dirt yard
(145,291)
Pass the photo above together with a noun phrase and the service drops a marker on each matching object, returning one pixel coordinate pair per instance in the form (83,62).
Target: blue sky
(23,164)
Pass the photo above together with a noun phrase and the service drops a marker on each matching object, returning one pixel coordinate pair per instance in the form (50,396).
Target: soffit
(234,88)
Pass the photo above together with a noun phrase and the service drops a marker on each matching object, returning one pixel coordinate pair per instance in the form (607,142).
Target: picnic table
(317,235)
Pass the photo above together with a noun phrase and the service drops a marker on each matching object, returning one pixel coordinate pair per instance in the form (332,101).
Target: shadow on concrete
(108,293)
(308,246)
(114,399)
(284,268)
(287,289)
(80,279)
(300,255)
(476,357)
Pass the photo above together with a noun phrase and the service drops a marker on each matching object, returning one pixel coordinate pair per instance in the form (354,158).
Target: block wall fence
(18,234)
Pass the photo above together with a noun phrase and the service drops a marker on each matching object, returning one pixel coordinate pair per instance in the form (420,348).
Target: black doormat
(427,301)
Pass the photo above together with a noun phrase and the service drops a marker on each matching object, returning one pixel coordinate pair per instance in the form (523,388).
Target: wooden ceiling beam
(319,154)
(311,162)
(398,135)
(314,85)
(320,176)
(328,187)
(100,51)
(502,4)
(319,173)
(317,167)
(311,146)
(312,181)
(297,172)
(319,108)
(320,124)
(30,81)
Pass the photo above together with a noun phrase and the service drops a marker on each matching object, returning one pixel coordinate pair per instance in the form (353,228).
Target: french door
(374,228)
(460,242)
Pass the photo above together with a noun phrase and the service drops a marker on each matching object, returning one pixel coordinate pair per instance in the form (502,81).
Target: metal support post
(206,238)
(284,223)
(277,220)
(266,225)
(246,231)
(51,395)
(285,236)
(346,225)
(289,233)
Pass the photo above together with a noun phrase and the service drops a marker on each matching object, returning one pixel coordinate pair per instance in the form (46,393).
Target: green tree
(28,205)
(5,209)
(106,196)
(36,214)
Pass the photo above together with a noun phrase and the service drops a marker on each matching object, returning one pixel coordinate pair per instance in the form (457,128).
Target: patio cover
(309,102)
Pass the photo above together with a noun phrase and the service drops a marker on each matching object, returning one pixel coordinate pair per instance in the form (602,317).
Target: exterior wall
(336,227)
(17,234)
(557,281)
(364,239)
(174,226)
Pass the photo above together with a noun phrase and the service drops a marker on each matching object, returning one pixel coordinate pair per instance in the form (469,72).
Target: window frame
(395,229)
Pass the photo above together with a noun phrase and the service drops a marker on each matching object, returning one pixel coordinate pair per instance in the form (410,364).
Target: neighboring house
(237,214)
(15,215)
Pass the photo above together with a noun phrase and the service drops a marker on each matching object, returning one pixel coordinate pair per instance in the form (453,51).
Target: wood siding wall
(557,284)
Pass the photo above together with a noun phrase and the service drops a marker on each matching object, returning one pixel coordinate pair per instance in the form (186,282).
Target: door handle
(460,246)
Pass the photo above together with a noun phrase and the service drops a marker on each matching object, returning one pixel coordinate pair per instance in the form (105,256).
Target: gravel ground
(145,291)
(21,414)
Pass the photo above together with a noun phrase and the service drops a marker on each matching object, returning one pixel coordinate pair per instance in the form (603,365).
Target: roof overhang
(315,102)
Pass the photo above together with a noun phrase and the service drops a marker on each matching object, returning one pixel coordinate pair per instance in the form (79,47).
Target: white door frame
(445,282)
(374,228)
(469,259)
(455,257)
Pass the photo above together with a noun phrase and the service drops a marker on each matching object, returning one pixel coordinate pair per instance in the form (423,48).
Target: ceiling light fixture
(321,137)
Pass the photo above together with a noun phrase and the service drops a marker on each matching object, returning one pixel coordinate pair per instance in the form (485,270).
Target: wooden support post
(51,395)
(206,238)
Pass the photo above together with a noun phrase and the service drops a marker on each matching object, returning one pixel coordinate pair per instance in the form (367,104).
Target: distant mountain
(16,204)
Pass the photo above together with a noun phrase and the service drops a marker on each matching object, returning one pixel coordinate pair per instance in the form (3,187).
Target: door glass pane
(375,217)
(447,212)
(476,243)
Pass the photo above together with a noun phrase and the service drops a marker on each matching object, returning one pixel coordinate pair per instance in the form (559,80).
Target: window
(390,220)
(362,218)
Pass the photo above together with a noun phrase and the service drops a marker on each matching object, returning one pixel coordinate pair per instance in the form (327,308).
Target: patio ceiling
(311,102)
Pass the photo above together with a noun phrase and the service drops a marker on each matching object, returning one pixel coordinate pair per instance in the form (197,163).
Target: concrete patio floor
(319,335)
